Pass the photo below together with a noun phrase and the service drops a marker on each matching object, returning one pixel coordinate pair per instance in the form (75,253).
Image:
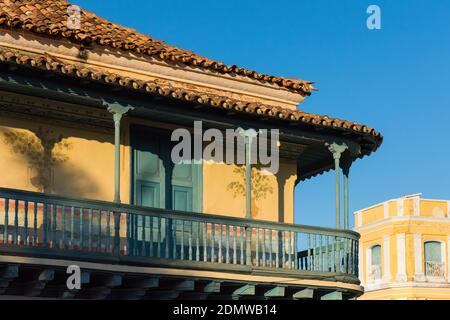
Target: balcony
(435,271)
(374,274)
(46,226)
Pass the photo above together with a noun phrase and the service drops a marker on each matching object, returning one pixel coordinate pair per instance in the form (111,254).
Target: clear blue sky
(396,79)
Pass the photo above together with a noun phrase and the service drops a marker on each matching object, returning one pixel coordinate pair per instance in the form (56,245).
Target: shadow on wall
(46,153)
(260,187)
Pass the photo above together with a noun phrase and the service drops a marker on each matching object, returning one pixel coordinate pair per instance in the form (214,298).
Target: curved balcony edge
(43,225)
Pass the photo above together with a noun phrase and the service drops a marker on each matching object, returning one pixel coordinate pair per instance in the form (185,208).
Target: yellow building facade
(404,249)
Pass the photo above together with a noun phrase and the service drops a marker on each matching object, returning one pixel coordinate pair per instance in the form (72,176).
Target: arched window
(434,263)
(375,263)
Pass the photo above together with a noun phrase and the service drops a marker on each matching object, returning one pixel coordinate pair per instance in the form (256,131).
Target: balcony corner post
(117,111)
(337,150)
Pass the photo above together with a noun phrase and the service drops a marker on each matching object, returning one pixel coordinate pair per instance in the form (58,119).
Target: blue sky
(396,79)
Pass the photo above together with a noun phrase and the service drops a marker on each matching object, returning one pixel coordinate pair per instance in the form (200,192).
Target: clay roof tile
(50,17)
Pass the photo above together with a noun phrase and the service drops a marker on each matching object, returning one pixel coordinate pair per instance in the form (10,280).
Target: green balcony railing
(35,223)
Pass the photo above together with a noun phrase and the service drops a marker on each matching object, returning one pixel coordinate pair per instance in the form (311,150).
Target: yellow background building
(404,249)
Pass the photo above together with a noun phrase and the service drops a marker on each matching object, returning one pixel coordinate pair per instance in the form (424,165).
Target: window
(375,264)
(157,182)
(434,263)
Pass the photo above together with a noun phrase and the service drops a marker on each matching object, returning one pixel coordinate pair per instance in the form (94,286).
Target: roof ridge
(35,16)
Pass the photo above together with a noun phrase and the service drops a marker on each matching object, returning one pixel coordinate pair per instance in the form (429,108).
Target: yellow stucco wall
(83,167)
(83,161)
(374,228)
(372,215)
(433,208)
(219,199)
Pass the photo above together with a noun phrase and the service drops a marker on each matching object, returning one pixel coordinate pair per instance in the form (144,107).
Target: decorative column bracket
(337,150)
(117,111)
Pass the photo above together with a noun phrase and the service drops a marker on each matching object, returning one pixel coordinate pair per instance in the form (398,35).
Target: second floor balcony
(203,220)
(435,270)
(47,226)
(374,274)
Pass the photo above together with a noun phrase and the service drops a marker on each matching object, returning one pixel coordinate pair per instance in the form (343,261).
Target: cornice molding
(401,219)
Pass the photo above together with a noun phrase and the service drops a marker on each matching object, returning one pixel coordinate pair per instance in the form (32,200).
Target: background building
(404,249)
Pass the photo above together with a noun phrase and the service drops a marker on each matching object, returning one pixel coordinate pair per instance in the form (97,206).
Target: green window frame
(150,163)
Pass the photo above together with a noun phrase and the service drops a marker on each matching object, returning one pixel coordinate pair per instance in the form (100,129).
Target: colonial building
(88,109)
(404,249)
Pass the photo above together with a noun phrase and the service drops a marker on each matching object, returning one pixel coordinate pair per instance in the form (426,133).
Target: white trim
(399,219)
(401,257)
(359,215)
(368,263)
(413,284)
(438,200)
(446,259)
(413,195)
(418,261)
(448,209)
(416,206)
(386,260)
(386,209)
(400,207)
(362,273)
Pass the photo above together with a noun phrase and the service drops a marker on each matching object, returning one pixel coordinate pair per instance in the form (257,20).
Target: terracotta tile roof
(49,17)
(49,63)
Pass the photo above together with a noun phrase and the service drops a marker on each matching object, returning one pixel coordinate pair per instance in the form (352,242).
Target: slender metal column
(345,171)
(117,111)
(337,150)
(248,178)
(345,201)
(338,192)
(248,139)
